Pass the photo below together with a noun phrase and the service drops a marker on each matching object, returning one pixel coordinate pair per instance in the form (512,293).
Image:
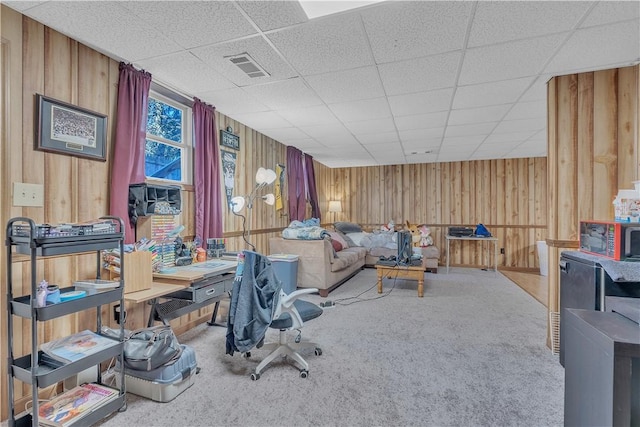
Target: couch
(319,264)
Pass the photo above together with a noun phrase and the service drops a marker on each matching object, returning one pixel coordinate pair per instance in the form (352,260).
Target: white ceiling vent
(247,64)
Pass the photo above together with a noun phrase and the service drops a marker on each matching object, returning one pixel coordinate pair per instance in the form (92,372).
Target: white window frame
(187,140)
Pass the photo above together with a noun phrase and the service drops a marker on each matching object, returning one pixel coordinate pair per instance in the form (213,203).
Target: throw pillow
(336,235)
(355,239)
(337,246)
(347,227)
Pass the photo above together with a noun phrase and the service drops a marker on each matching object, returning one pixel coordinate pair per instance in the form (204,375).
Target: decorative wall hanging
(66,129)
(229,171)
(228,139)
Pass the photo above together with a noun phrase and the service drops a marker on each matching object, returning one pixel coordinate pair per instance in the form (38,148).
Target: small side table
(401,272)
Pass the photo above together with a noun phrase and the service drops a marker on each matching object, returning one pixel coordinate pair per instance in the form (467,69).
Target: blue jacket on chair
(254,299)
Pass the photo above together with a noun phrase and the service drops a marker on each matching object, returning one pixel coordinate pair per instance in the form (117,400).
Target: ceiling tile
(263,54)
(461,141)
(287,134)
(367,127)
(470,129)
(486,94)
(324,45)
(108,27)
(421,103)
(478,115)
(526,110)
(272,14)
(607,12)
(501,21)
(402,30)
(526,58)
(390,148)
(378,138)
(429,144)
(510,138)
(422,121)
(233,101)
(419,75)
(184,70)
(342,142)
(365,109)
(420,134)
(323,131)
(598,47)
(284,94)
(308,116)
(171,16)
(348,85)
(422,158)
(521,125)
(262,121)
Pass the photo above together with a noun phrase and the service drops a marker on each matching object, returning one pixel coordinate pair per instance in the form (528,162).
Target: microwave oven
(615,240)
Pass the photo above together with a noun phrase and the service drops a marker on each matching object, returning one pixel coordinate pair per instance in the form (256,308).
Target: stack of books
(71,406)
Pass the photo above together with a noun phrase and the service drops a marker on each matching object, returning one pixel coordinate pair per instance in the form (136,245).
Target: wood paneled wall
(594,132)
(508,196)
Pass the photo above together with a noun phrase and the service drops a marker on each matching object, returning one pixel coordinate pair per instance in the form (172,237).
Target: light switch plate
(28,194)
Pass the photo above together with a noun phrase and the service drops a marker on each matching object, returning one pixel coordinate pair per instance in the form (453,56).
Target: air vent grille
(248,65)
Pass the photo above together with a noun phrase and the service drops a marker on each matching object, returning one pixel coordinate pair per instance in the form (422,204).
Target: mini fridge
(585,281)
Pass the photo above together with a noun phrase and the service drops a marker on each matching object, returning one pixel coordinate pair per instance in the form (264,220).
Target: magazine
(77,346)
(72,405)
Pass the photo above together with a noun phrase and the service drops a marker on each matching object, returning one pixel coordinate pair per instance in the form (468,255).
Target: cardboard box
(138,273)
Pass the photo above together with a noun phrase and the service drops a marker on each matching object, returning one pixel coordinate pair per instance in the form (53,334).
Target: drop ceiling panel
(347,85)
(106,26)
(321,131)
(422,121)
(525,110)
(171,16)
(421,103)
(324,45)
(308,116)
(284,94)
(234,101)
(496,22)
(288,134)
(462,141)
(607,12)
(598,47)
(420,134)
(521,125)
(509,138)
(367,127)
(272,14)
(430,144)
(419,75)
(184,70)
(386,148)
(402,30)
(471,129)
(365,109)
(478,115)
(526,58)
(217,56)
(262,121)
(486,94)
(378,138)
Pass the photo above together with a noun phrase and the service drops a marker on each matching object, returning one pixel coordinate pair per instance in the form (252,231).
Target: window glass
(168,145)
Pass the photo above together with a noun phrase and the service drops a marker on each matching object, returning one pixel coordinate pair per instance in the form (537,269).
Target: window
(168,147)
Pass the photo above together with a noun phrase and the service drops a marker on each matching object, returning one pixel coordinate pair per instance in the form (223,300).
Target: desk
(401,272)
(480,239)
(187,289)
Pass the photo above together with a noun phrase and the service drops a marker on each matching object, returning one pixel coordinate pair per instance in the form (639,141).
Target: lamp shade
(265,176)
(335,206)
(237,203)
(269,199)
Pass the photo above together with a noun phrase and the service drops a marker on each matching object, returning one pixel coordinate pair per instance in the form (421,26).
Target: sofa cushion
(347,257)
(347,227)
(338,236)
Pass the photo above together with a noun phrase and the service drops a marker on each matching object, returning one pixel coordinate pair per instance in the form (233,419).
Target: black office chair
(257,303)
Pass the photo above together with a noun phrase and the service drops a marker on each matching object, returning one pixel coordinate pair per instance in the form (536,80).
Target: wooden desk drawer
(205,289)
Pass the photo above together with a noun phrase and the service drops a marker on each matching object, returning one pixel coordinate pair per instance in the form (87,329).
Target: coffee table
(401,272)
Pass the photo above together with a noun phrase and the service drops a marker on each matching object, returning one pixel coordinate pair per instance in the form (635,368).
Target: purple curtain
(311,186)
(207,175)
(295,184)
(128,154)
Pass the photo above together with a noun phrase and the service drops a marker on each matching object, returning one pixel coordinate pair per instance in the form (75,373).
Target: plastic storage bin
(165,382)
(286,268)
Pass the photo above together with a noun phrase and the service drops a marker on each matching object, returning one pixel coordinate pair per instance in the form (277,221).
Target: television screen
(405,249)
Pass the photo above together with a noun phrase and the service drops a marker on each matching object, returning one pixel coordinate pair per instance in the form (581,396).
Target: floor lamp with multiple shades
(335,206)
(264,177)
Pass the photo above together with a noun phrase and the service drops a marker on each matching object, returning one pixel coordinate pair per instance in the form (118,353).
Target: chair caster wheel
(304,374)
(318,351)
(255,377)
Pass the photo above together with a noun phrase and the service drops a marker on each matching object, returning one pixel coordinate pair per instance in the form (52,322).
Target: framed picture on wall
(66,129)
